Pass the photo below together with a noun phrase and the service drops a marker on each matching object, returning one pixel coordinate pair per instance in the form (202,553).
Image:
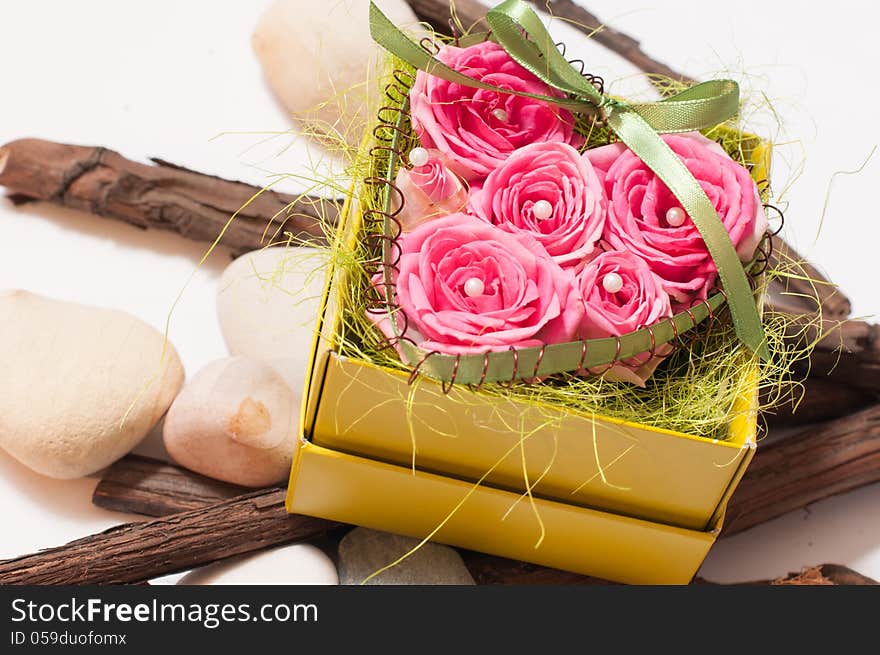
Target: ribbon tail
(659,157)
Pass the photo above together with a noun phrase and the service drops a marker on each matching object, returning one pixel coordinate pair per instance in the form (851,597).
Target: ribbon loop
(519,30)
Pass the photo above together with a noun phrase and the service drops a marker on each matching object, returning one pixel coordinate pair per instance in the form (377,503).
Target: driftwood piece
(618,42)
(489,570)
(824,398)
(824,574)
(816,286)
(141,485)
(849,353)
(135,552)
(824,460)
(163,196)
(818,462)
(827,459)
(470,14)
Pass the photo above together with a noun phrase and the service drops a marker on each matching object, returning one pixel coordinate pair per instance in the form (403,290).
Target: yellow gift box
(549,485)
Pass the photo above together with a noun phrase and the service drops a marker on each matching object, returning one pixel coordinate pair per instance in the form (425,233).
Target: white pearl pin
(500,114)
(675,216)
(418,157)
(542,210)
(612,282)
(474,287)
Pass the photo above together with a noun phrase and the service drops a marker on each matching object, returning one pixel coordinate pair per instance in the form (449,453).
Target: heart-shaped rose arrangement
(514,238)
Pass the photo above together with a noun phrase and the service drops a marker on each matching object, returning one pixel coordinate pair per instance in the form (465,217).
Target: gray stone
(362,552)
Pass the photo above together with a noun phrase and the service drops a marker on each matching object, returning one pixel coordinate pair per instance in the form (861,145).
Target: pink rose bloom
(645,218)
(550,191)
(430,190)
(469,287)
(478,129)
(621,295)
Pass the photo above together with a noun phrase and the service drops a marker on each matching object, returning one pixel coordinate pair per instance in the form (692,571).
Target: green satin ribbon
(517,28)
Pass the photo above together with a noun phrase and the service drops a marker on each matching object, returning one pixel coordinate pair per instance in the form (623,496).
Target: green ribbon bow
(517,28)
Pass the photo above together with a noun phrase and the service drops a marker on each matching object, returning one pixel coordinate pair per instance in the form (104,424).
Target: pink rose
(645,218)
(429,189)
(550,191)
(621,295)
(478,129)
(469,287)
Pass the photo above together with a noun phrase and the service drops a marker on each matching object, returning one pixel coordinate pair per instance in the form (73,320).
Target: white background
(165,78)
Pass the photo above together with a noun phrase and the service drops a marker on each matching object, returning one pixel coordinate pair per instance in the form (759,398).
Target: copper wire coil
(709,310)
(583,358)
(396,94)
(763,262)
(616,359)
(453,30)
(415,372)
(429,45)
(393,128)
(483,373)
(393,125)
(513,376)
(691,316)
(780,215)
(653,349)
(404,78)
(538,361)
(382,182)
(443,384)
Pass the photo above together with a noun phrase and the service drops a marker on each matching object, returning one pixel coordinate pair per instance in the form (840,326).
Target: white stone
(79,386)
(321,62)
(235,421)
(268,304)
(363,552)
(299,564)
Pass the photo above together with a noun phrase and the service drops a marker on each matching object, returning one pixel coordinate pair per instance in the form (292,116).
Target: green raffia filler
(694,391)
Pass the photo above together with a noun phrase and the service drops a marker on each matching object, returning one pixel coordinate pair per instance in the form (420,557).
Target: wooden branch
(140,551)
(164,196)
(437,13)
(849,353)
(821,461)
(489,570)
(824,574)
(141,485)
(827,459)
(824,460)
(824,398)
(834,304)
(618,42)
(470,14)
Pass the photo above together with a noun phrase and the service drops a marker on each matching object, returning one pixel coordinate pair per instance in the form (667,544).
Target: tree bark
(849,353)
(471,13)
(140,551)
(141,485)
(437,13)
(808,283)
(818,462)
(821,461)
(163,196)
(824,398)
